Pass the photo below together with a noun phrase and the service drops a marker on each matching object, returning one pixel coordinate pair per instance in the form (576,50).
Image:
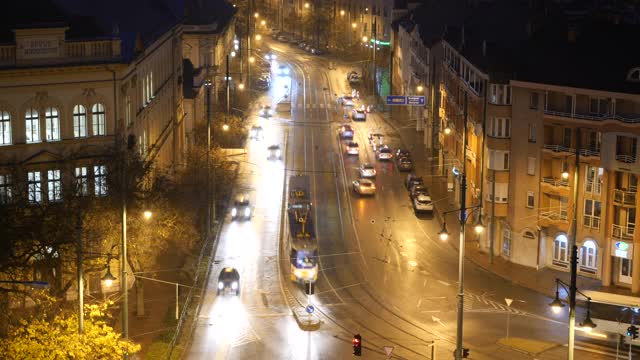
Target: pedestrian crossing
(479,303)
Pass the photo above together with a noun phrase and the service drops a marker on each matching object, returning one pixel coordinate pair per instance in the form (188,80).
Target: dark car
(402,153)
(411,179)
(241,208)
(417,189)
(229,279)
(404,164)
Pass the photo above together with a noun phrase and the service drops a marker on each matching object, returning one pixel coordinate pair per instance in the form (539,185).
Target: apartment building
(535,96)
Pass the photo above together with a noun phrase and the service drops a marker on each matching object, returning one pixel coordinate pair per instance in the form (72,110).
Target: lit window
(560,250)
(79,121)
(82,181)
(100,180)
(589,256)
(34,186)
(97,112)
(5,128)
(5,189)
(32,122)
(54,185)
(52,124)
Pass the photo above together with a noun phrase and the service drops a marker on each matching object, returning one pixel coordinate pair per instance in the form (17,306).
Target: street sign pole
(508,301)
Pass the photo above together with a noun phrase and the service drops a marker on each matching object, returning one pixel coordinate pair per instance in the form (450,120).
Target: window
(34,186)
(531,166)
(593,181)
(500,127)
(533,133)
(100,180)
(127,110)
(500,94)
(5,189)
(5,128)
(533,100)
(528,235)
(32,122)
(588,257)
(82,181)
(97,113)
(502,192)
(54,185)
(79,121)
(560,250)
(498,160)
(530,199)
(566,137)
(52,124)
(599,106)
(592,212)
(506,242)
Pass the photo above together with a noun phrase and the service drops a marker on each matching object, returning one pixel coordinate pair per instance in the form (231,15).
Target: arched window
(560,250)
(589,256)
(97,112)
(634,75)
(52,124)
(5,128)
(32,122)
(79,121)
(528,235)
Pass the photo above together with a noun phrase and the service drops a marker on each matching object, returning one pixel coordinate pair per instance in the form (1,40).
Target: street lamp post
(556,306)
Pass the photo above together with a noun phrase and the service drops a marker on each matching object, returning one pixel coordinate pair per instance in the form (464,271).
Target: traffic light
(357,345)
(632,331)
(465,353)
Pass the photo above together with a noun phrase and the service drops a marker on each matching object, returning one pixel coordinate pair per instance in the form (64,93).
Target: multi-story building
(536,95)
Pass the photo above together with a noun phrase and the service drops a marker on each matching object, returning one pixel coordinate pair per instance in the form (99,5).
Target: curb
(307,322)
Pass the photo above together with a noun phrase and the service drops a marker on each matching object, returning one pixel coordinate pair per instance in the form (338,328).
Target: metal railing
(558,148)
(555,182)
(554,215)
(588,152)
(622,232)
(591,221)
(629,159)
(624,197)
(595,117)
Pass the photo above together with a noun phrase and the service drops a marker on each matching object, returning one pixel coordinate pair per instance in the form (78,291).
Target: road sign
(388,350)
(508,301)
(396,100)
(310,309)
(415,100)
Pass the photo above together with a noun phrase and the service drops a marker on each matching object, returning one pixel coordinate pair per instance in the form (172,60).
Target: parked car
(308,48)
(422,203)
(416,189)
(364,187)
(315,51)
(404,164)
(302,44)
(412,178)
(402,153)
(346,132)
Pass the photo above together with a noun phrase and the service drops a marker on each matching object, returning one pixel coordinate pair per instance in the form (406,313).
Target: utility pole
(574,252)
(227,84)
(493,216)
(80,274)
(375,46)
(123,258)
(208,84)
(463,221)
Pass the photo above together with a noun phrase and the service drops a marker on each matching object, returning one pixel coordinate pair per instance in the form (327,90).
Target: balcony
(558,148)
(627,159)
(549,218)
(589,153)
(624,198)
(621,232)
(592,222)
(627,119)
(555,186)
(73,51)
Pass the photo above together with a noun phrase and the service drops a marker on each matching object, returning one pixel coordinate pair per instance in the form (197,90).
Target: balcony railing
(622,232)
(557,148)
(555,182)
(629,159)
(555,215)
(595,117)
(593,187)
(587,153)
(624,197)
(591,222)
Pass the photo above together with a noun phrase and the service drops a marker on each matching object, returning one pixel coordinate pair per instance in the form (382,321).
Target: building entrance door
(624,274)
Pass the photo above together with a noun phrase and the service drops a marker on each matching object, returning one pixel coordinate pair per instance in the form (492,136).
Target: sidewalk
(542,280)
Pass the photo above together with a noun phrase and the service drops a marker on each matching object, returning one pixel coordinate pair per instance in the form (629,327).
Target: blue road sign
(415,100)
(310,309)
(396,100)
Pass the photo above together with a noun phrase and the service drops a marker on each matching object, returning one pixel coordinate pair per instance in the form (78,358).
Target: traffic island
(528,346)
(306,321)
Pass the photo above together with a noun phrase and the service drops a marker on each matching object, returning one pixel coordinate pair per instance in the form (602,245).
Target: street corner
(528,346)
(307,321)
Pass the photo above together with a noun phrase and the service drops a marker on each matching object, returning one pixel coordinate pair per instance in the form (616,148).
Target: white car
(352,148)
(358,115)
(364,187)
(265,111)
(384,153)
(367,171)
(283,70)
(422,203)
(274,152)
(347,101)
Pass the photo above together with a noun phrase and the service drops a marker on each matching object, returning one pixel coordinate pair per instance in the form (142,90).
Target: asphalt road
(383,271)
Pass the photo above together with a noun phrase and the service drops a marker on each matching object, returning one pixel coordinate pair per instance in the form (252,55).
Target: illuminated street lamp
(353,25)
(108,278)
(479,226)
(225,127)
(447,129)
(444,234)
(341,12)
(252,59)
(556,306)
(263,23)
(233,54)
(364,39)
(258,37)
(420,88)
(241,86)
(256,15)
(147,214)
(306,5)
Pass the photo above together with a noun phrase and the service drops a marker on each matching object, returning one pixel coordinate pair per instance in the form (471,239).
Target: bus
(302,240)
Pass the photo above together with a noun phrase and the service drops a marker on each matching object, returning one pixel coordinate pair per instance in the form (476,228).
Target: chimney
(484,47)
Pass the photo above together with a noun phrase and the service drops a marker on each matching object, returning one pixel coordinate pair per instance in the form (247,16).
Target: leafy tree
(50,334)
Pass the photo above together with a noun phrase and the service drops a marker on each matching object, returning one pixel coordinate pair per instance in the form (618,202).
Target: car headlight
(247,212)
(271,112)
(234,285)
(234,212)
(297,272)
(278,153)
(220,285)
